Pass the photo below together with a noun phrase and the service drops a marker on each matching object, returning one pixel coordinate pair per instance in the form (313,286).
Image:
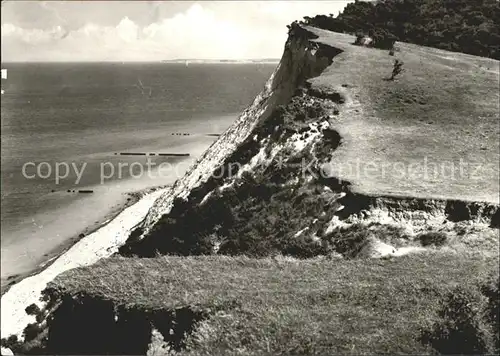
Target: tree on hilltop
(455,25)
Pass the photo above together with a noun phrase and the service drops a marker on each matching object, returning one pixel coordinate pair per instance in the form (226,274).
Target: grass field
(442,109)
(285,306)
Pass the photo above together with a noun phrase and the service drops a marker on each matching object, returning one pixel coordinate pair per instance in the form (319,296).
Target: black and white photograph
(250,177)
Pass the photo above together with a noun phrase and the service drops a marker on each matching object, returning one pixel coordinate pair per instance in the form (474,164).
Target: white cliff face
(300,61)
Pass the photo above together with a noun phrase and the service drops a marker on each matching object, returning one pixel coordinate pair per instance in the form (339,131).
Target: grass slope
(282,306)
(443,108)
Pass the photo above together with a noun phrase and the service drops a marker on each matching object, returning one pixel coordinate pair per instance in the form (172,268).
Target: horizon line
(273,60)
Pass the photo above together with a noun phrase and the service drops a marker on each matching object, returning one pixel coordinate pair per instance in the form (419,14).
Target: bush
(11,342)
(33,309)
(433,238)
(397,69)
(377,38)
(461,329)
(31,331)
(349,241)
(468,323)
(382,39)
(304,248)
(359,38)
(490,291)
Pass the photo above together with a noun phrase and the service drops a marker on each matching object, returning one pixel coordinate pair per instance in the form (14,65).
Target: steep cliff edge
(321,153)
(301,60)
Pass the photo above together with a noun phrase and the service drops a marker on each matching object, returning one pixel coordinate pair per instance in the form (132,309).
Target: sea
(65,128)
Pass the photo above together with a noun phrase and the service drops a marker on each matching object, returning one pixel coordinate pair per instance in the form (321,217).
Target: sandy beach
(101,240)
(99,244)
(128,199)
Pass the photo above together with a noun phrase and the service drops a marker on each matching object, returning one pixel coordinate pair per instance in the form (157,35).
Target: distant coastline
(224,61)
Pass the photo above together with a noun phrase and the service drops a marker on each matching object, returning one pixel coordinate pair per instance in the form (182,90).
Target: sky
(150,30)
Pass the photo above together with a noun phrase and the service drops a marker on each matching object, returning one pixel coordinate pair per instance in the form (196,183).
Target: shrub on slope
(468,322)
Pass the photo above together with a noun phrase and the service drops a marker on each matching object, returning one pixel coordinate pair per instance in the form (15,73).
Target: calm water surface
(79,116)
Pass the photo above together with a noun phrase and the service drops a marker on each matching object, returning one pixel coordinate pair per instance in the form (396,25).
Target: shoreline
(100,243)
(129,199)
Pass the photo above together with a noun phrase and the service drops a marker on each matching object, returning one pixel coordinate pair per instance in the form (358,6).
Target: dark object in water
(174,154)
(85,191)
(181,134)
(153,154)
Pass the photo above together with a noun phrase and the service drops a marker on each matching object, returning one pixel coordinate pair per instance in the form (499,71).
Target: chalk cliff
(302,59)
(272,182)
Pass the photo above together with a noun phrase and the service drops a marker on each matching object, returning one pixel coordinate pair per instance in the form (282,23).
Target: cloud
(198,33)
(211,30)
(32,36)
(127,30)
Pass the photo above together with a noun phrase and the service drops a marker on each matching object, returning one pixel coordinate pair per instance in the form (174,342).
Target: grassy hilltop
(442,109)
(267,258)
